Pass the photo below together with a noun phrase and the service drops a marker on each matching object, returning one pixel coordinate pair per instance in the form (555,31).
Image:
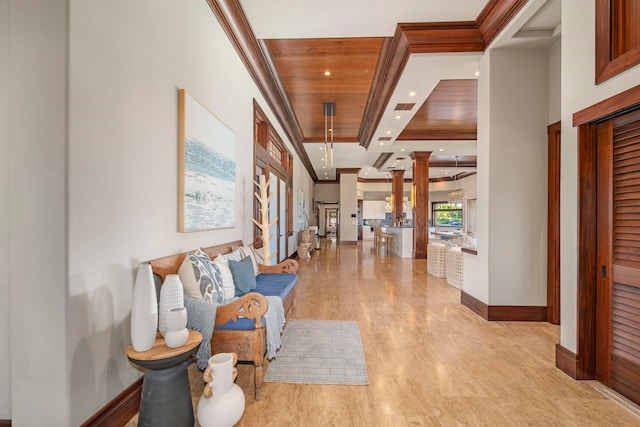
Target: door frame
(587,122)
(326,220)
(553,224)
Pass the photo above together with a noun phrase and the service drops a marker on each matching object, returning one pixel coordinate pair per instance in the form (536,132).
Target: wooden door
(618,255)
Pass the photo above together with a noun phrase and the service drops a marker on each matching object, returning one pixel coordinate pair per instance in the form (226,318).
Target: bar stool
(387,240)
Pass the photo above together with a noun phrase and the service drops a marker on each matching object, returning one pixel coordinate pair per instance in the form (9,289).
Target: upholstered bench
(240,324)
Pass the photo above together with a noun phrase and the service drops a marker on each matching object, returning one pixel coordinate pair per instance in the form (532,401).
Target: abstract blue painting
(207,172)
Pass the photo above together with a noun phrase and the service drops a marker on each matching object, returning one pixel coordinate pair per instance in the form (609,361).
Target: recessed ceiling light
(325,173)
(442,149)
(388,132)
(327,73)
(398,117)
(324,167)
(369,169)
(402,149)
(382,143)
(477,73)
(446,173)
(320,148)
(412,94)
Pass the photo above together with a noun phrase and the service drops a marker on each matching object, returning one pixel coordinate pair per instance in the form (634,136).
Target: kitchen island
(403,240)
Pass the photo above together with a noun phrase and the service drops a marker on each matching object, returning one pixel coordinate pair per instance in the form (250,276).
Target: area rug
(319,352)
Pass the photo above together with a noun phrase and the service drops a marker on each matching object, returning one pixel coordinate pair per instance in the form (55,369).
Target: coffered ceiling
(402,74)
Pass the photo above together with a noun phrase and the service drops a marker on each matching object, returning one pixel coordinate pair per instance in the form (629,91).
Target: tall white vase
(144,310)
(222,402)
(171,296)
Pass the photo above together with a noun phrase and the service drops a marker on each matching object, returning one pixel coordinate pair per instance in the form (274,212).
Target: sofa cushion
(267,284)
(275,284)
(243,277)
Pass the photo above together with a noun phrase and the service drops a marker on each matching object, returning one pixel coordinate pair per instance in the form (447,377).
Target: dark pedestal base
(166,398)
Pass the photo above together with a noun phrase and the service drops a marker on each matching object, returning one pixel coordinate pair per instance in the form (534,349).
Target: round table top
(160,351)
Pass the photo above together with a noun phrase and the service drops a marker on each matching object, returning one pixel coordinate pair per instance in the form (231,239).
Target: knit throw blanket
(274,318)
(201,317)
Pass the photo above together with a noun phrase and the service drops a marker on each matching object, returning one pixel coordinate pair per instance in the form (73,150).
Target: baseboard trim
(517,313)
(348,242)
(5,423)
(508,313)
(566,361)
(119,410)
(475,305)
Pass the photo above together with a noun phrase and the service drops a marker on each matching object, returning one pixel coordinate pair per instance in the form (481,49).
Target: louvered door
(618,356)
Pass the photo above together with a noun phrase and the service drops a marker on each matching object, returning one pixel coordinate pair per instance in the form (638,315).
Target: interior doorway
(331,223)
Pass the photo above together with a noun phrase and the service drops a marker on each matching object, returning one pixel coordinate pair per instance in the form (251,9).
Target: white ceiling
(537,24)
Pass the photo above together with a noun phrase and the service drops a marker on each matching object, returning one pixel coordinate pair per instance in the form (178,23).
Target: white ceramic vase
(222,402)
(177,332)
(171,296)
(144,310)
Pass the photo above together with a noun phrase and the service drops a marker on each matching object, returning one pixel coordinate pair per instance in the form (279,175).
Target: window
(617,37)
(445,214)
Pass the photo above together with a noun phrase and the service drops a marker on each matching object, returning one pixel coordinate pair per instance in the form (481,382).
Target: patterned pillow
(201,278)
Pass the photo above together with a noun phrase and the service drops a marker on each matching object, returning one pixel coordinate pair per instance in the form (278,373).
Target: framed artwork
(207,168)
(301,207)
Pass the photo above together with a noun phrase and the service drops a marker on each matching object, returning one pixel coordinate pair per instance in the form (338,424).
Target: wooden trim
(469,251)
(495,16)
(475,305)
(587,226)
(608,107)
(553,223)
(261,68)
(517,313)
(437,135)
(436,37)
(393,58)
(119,410)
(566,361)
(605,66)
(513,313)
(5,423)
(381,160)
(348,242)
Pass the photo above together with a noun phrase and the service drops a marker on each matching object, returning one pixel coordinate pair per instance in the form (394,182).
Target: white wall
(555,102)
(373,209)
(327,192)
(5,264)
(127,61)
(38,213)
(348,206)
(518,177)
(578,92)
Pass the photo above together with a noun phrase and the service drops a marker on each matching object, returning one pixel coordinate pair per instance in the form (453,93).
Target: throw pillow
(201,278)
(243,277)
(227,278)
(250,251)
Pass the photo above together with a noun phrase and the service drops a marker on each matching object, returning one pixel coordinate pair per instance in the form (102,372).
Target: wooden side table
(166,394)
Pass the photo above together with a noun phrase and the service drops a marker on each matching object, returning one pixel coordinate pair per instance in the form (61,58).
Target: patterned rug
(319,352)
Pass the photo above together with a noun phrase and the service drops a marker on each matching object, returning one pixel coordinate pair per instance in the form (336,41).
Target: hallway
(430,361)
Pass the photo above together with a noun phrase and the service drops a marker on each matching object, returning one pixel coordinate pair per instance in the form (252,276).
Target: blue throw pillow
(243,277)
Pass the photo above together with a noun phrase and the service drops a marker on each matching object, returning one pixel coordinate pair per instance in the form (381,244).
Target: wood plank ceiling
(364,73)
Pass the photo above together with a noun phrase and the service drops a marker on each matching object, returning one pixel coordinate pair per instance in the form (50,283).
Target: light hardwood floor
(430,361)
